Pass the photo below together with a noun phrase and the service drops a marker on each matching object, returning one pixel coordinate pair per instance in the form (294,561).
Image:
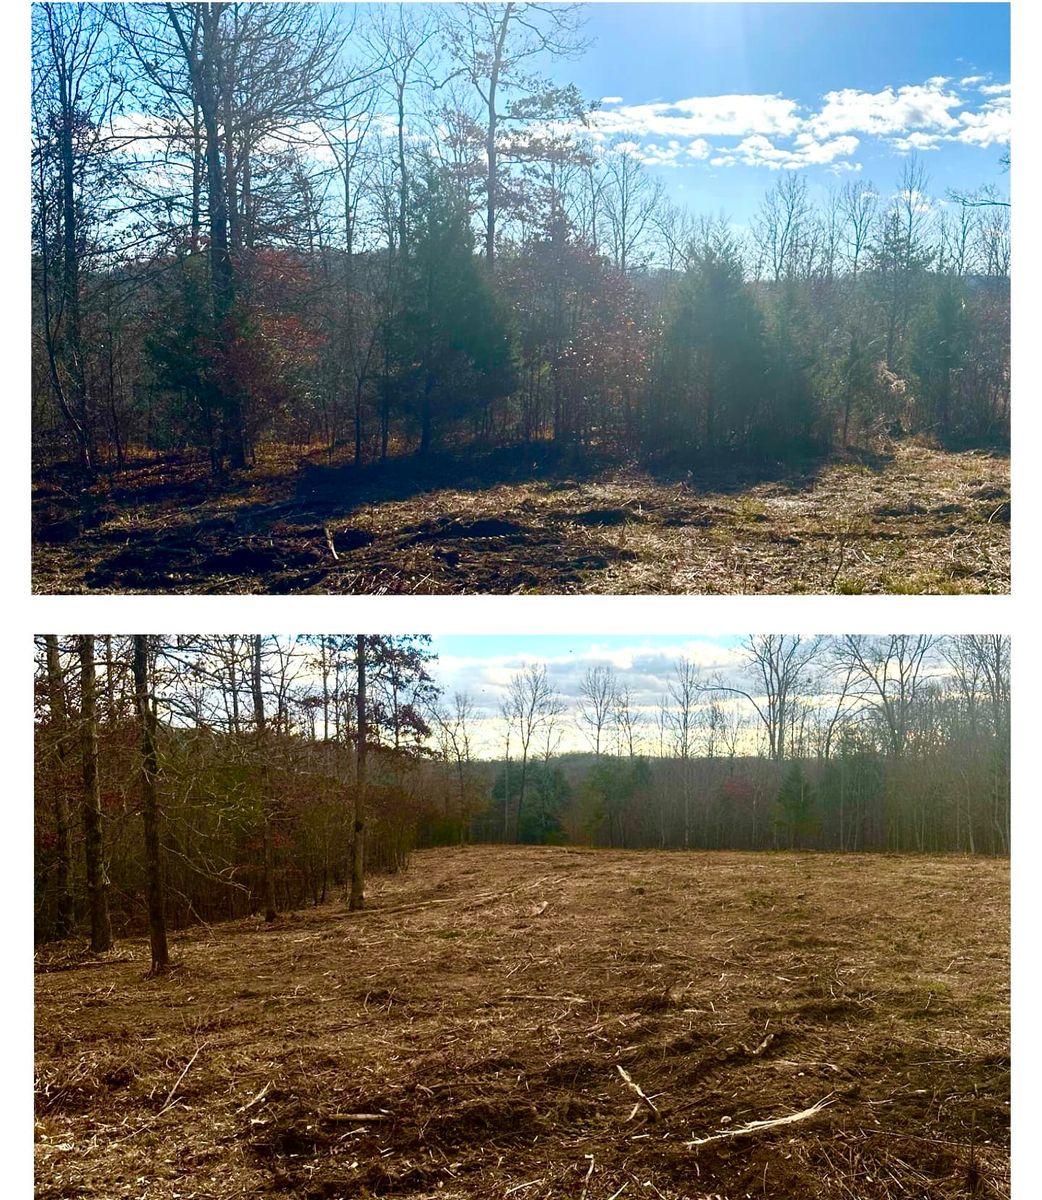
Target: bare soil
(466,1036)
(915,519)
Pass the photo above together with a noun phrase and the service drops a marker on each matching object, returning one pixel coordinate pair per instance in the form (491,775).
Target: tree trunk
(270,912)
(491,154)
(205,71)
(71,277)
(97,881)
(63,833)
(426,416)
(150,808)
(357,898)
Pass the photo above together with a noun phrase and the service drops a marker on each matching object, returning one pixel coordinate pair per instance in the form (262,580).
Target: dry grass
(464,1037)
(918,520)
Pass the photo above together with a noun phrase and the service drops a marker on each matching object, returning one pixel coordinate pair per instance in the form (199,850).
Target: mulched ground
(480,1032)
(913,520)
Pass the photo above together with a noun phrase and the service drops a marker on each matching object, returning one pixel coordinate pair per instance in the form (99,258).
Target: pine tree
(713,354)
(796,815)
(938,341)
(450,339)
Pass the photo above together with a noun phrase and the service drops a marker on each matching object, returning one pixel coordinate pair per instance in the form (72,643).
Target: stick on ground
(627,1079)
(759,1126)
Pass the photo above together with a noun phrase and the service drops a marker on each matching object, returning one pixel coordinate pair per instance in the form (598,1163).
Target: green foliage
(179,345)
(547,795)
(938,341)
(793,354)
(714,354)
(796,818)
(449,340)
(855,381)
(898,262)
(610,789)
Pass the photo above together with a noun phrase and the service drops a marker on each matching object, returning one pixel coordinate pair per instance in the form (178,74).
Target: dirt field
(467,1037)
(912,520)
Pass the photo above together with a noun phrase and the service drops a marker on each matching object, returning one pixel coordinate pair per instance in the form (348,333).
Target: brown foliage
(481,1008)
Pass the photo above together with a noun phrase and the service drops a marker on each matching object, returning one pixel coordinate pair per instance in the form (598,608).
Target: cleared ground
(913,520)
(467,1037)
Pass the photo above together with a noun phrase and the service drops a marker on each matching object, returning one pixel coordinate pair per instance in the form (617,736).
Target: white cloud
(782,134)
(758,151)
(920,202)
(645,671)
(611,99)
(990,126)
(922,106)
(916,141)
(702,116)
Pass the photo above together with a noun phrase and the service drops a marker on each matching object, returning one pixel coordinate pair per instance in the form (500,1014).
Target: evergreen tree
(855,379)
(450,340)
(899,260)
(938,341)
(713,354)
(792,362)
(796,815)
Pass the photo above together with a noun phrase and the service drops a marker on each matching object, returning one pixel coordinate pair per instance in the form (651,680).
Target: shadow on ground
(530,519)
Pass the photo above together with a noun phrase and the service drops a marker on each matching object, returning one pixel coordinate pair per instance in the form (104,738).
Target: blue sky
(901,78)
(559,645)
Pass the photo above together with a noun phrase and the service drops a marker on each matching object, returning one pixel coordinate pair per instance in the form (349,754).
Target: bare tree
(631,199)
(531,704)
(675,233)
(73,98)
(94,840)
(780,663)
(685,688)
(981,663)
(454,726)
(402,38)
(357,895)
(150,806)
(628,719)
(598,698)
(59,713)
(494,45)
(891,672)
(782,230)
(261,729)
(858,204)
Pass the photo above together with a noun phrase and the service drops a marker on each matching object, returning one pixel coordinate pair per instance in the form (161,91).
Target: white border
(23,615)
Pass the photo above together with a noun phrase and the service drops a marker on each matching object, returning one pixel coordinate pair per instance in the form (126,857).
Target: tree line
(185,779)
(208,782)
(382,229)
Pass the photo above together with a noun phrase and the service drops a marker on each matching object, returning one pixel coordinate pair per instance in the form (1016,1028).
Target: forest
(195,779)
(293,262)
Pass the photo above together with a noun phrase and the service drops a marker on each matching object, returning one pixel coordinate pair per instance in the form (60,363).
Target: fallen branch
(76,964)
(760,1126)
(256,1099)
(177,1081)
(760,1048)
(353,1117)
(544,996)
(586,1181)
(627,1079)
